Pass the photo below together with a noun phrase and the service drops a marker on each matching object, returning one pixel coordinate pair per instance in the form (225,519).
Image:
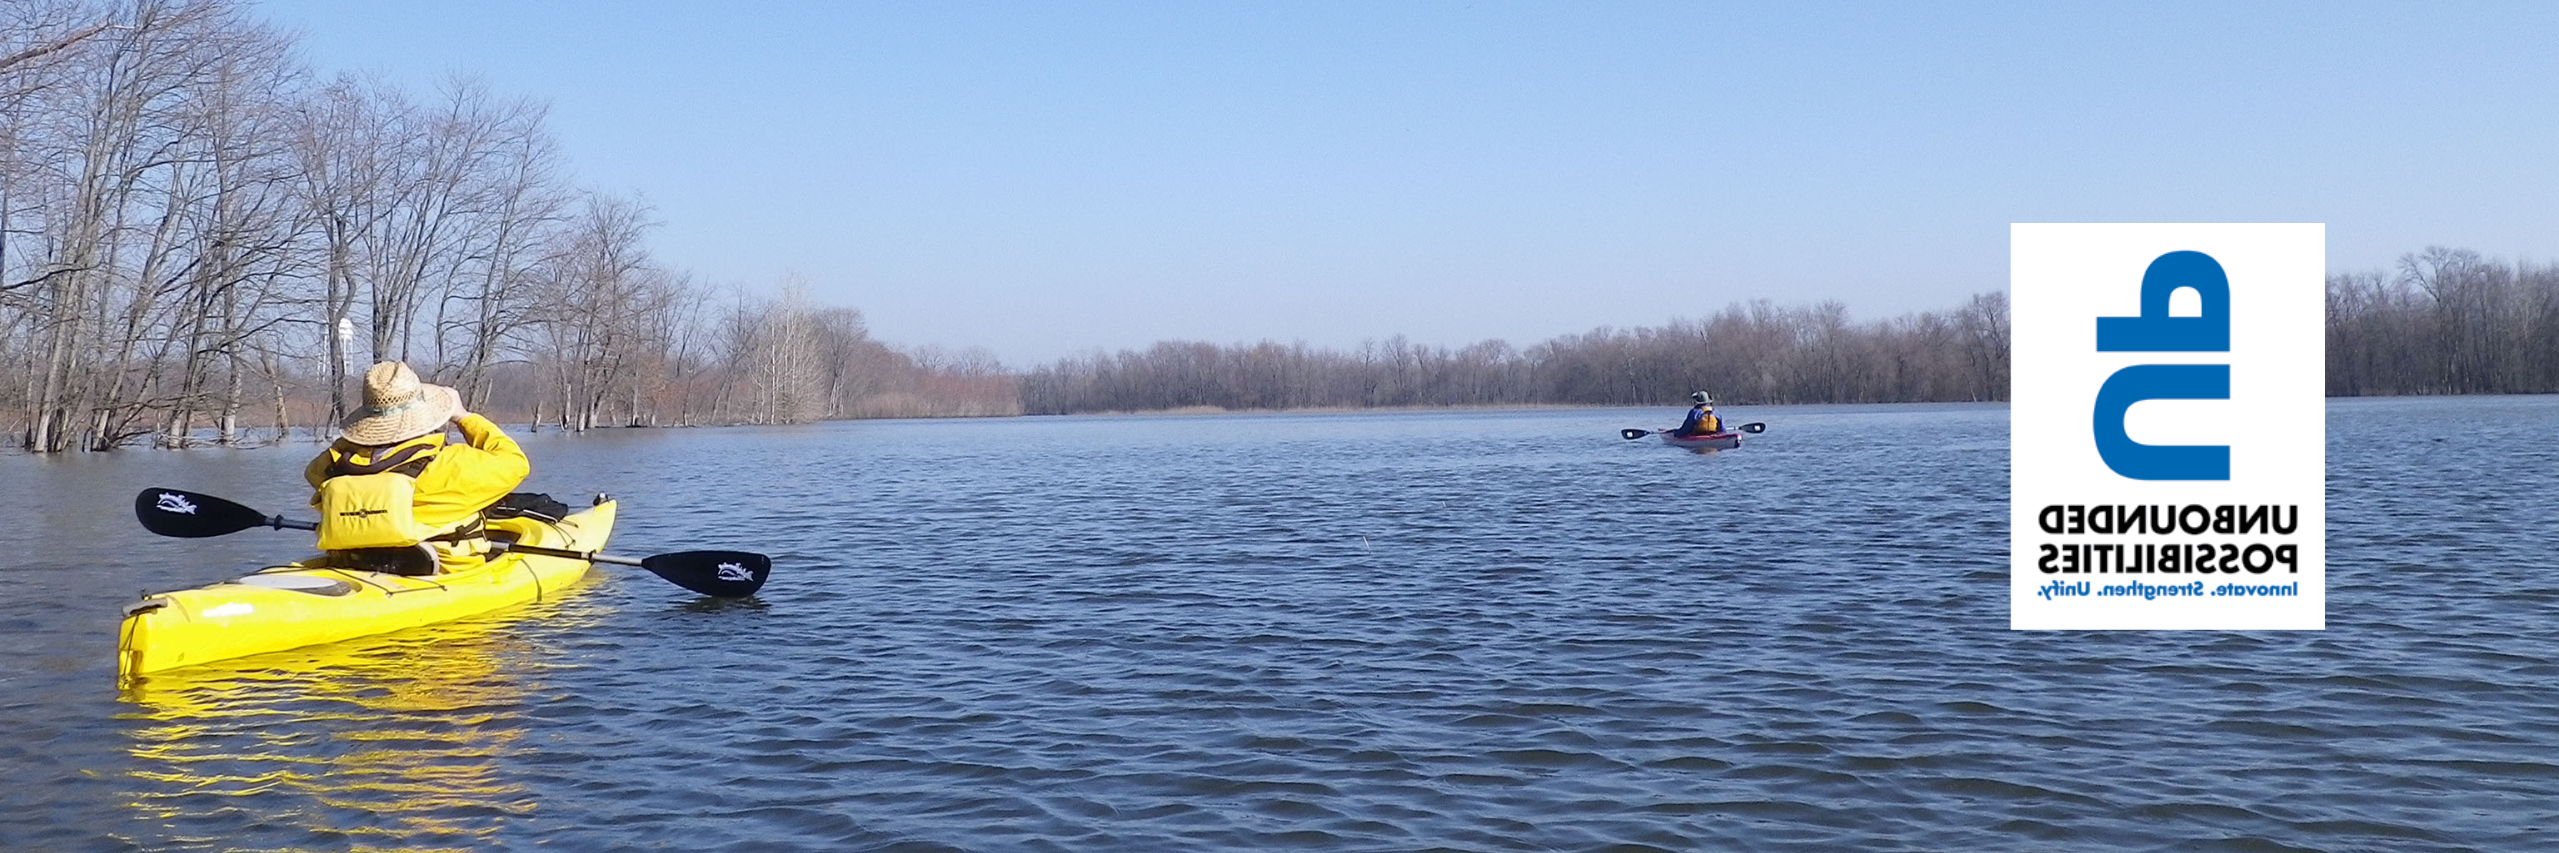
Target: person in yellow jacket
(1701,418)
(392,493)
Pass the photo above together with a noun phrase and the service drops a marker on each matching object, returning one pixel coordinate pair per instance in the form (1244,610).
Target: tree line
(1757,352)
(2444,321)
(2447,321)
(198,236)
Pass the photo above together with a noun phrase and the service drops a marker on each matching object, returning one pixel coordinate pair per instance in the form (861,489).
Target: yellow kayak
(297,605)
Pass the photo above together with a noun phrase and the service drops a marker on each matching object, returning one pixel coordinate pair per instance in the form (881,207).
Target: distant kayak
(1709,441)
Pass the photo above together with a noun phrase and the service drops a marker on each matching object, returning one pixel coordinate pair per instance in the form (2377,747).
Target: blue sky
(1043,179)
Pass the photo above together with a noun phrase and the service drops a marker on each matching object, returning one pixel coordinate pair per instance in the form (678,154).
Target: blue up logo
(2156,330)
(2167,427)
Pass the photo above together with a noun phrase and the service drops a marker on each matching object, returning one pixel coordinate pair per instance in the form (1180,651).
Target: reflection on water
(396,743)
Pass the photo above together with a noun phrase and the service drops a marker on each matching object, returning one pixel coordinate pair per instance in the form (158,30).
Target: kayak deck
(298,604)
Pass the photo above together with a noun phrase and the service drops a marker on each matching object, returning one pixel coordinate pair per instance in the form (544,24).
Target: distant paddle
(1754,428)
(189,515)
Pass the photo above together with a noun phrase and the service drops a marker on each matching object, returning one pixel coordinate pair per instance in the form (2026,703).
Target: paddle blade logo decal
(735,573)
(176,503)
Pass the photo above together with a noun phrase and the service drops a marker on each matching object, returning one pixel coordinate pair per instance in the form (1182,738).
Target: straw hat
(397,407)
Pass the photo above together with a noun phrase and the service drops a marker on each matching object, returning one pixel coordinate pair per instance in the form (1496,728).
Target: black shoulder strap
(411,460)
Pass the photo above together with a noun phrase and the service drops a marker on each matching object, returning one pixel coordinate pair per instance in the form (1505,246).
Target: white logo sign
(2167,427)
(734,572)
(172,502)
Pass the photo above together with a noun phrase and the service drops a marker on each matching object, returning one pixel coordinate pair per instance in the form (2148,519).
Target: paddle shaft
(589,556)
(283,523)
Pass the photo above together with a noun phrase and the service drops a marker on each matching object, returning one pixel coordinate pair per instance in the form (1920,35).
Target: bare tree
(339,131)
(189,222)
(599,291)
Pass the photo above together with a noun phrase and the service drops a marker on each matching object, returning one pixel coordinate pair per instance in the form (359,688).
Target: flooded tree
(193,227)
(133,158)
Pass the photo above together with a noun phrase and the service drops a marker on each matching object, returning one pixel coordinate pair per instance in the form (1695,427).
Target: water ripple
(1391,632)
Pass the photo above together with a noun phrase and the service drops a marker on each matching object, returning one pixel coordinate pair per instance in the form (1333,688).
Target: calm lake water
(1389,632)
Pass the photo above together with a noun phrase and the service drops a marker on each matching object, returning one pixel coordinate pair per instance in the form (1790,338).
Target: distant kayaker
(393,496)
(1701,417)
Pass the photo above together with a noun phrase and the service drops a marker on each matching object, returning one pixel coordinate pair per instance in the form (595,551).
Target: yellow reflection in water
(394,743)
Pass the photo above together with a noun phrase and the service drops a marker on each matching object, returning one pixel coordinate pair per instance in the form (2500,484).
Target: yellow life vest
(1701,421)
(373,504)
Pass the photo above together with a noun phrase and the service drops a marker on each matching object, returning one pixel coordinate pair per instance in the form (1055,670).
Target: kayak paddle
(1754,428)
(189,515)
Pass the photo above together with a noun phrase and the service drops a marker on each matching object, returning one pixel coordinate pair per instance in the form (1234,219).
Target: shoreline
(305,439)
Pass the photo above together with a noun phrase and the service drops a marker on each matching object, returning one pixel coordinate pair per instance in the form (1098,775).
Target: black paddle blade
(1754,427)
(1632,434)
(187,515)
(726,574)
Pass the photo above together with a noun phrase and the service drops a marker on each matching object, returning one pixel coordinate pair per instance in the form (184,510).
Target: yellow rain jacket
(454,487)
